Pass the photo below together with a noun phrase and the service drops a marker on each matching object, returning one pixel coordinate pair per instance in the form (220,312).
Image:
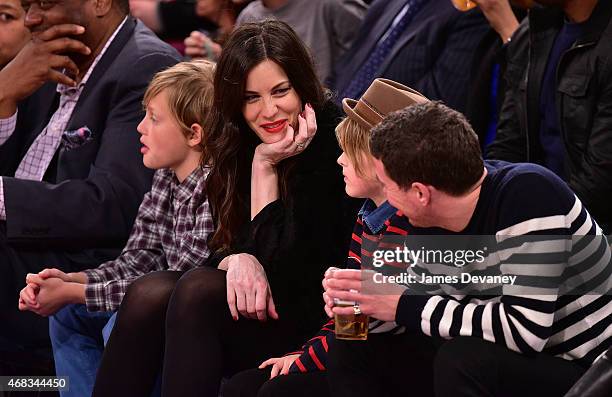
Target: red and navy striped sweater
(313,354)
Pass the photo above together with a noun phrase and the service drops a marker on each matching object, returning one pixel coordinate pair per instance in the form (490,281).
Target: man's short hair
(354,140)
(189,87)
(429,143)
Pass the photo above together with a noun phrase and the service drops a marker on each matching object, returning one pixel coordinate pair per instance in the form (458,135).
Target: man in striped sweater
(535,337)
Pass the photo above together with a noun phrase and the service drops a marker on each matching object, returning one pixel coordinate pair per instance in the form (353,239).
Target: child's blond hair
(189,88)
(354,140)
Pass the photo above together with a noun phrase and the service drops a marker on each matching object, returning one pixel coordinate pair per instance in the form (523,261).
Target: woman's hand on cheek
(292,144)
(270,154)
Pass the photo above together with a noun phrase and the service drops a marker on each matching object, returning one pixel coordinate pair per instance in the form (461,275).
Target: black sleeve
(297,241)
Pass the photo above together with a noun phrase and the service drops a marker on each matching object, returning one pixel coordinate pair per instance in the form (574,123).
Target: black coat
(584,103)
(297,240)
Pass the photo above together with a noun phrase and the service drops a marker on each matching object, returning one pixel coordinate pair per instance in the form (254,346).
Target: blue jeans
(78,338)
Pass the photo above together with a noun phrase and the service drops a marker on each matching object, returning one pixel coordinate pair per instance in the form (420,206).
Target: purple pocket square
(76,138)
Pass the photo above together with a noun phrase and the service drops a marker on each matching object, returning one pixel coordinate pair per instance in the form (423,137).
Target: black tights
(184,323)
(134,352)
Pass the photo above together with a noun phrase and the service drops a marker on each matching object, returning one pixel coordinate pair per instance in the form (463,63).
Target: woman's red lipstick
(275,127)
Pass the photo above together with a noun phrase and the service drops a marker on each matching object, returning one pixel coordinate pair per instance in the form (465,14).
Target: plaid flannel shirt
(170,233)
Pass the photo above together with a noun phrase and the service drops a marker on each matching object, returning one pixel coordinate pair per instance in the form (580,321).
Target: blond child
(170,232)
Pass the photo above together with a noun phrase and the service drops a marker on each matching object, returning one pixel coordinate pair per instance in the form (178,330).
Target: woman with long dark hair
(281,219)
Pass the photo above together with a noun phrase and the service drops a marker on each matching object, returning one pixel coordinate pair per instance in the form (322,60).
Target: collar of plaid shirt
(183,191)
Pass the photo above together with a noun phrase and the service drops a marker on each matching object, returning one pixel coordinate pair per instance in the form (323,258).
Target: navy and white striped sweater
(518,200)
(515,200)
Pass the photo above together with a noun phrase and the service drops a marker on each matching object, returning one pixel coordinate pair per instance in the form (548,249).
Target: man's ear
(102,7)
(422,192)
(197,133)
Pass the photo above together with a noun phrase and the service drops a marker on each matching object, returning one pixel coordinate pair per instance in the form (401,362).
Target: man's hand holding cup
(358,287)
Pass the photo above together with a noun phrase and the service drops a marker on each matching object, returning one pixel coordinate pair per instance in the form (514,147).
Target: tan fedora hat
(381,98)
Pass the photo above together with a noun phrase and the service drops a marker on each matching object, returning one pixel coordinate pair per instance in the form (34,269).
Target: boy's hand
(53,294)
(27,297)
(280,365)
(67,277)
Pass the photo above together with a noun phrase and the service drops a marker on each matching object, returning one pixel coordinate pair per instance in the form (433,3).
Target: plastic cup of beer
(464,5)
(350,326)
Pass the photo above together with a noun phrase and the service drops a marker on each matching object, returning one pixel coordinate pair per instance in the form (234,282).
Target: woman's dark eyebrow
(273,88)
(279,84)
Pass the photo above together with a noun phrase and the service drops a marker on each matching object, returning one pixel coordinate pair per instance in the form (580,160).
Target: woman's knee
(148,296)
(201,289)
(153,289)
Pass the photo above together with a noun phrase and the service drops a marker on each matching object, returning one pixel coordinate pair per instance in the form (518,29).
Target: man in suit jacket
(430,48)
(72,175)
